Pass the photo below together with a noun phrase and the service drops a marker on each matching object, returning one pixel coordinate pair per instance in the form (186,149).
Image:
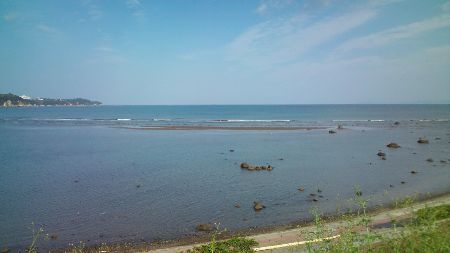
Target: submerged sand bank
(231,128)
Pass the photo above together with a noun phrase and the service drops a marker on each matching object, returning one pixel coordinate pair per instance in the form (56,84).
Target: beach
(84,175)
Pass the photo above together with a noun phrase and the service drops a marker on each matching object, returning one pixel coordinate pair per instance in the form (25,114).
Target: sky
(227,52)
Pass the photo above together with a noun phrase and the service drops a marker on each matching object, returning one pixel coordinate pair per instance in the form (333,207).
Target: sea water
(95,174)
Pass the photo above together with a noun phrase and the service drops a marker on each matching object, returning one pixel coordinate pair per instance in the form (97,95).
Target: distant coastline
(12,100)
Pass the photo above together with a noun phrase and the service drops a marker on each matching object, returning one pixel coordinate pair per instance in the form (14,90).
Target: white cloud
(133,3)
(267,5)
(261,9)
(105,49)
(93,11)
(394,34)
(45,28)
(136,7)
(284,40)
(10,16)
(446,6)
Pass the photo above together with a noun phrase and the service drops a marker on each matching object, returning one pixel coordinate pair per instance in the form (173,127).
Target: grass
(233,245)
(428,230)
(37,234)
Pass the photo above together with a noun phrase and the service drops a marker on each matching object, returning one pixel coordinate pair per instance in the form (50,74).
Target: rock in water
(331,132)
(245,166)
(393,145)
(381,154)
(258,206)
(422,141)
(204,227)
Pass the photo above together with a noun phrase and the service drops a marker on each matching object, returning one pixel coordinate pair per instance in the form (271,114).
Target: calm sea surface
(84,175)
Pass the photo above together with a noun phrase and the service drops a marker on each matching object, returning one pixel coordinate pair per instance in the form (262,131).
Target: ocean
(118,174)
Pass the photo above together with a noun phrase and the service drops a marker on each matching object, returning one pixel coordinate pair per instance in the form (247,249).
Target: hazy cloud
(283,40)
(105,49)
(394,34)
(93,11)
(46,29)
(11,16)
(136,7)
(267,5)
(446,6)
(133,3)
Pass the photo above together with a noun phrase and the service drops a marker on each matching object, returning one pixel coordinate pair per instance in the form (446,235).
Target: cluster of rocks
(246,166)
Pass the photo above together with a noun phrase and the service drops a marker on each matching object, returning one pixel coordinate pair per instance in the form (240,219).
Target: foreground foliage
(428,230)
(233,245)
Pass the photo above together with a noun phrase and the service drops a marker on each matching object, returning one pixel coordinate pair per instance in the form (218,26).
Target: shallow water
(72,171)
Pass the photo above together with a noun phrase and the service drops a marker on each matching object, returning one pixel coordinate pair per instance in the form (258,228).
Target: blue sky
(227,52)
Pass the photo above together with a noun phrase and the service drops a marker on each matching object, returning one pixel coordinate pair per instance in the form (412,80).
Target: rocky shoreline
(205,236)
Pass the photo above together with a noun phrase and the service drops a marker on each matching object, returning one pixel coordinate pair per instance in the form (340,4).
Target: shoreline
(231,128)
(178,244)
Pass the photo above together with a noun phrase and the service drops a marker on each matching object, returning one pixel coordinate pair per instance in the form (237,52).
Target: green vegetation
(233,245)
(10,100)
(428,230)
(427,214)
(37,234)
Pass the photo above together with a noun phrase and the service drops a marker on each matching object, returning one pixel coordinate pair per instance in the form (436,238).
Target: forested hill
(9,100)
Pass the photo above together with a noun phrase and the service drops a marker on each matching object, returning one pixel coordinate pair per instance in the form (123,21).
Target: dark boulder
(331,132)
(258,206)
(245,166)
(422,141)
(393,145)
(430,160)
(204,227)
